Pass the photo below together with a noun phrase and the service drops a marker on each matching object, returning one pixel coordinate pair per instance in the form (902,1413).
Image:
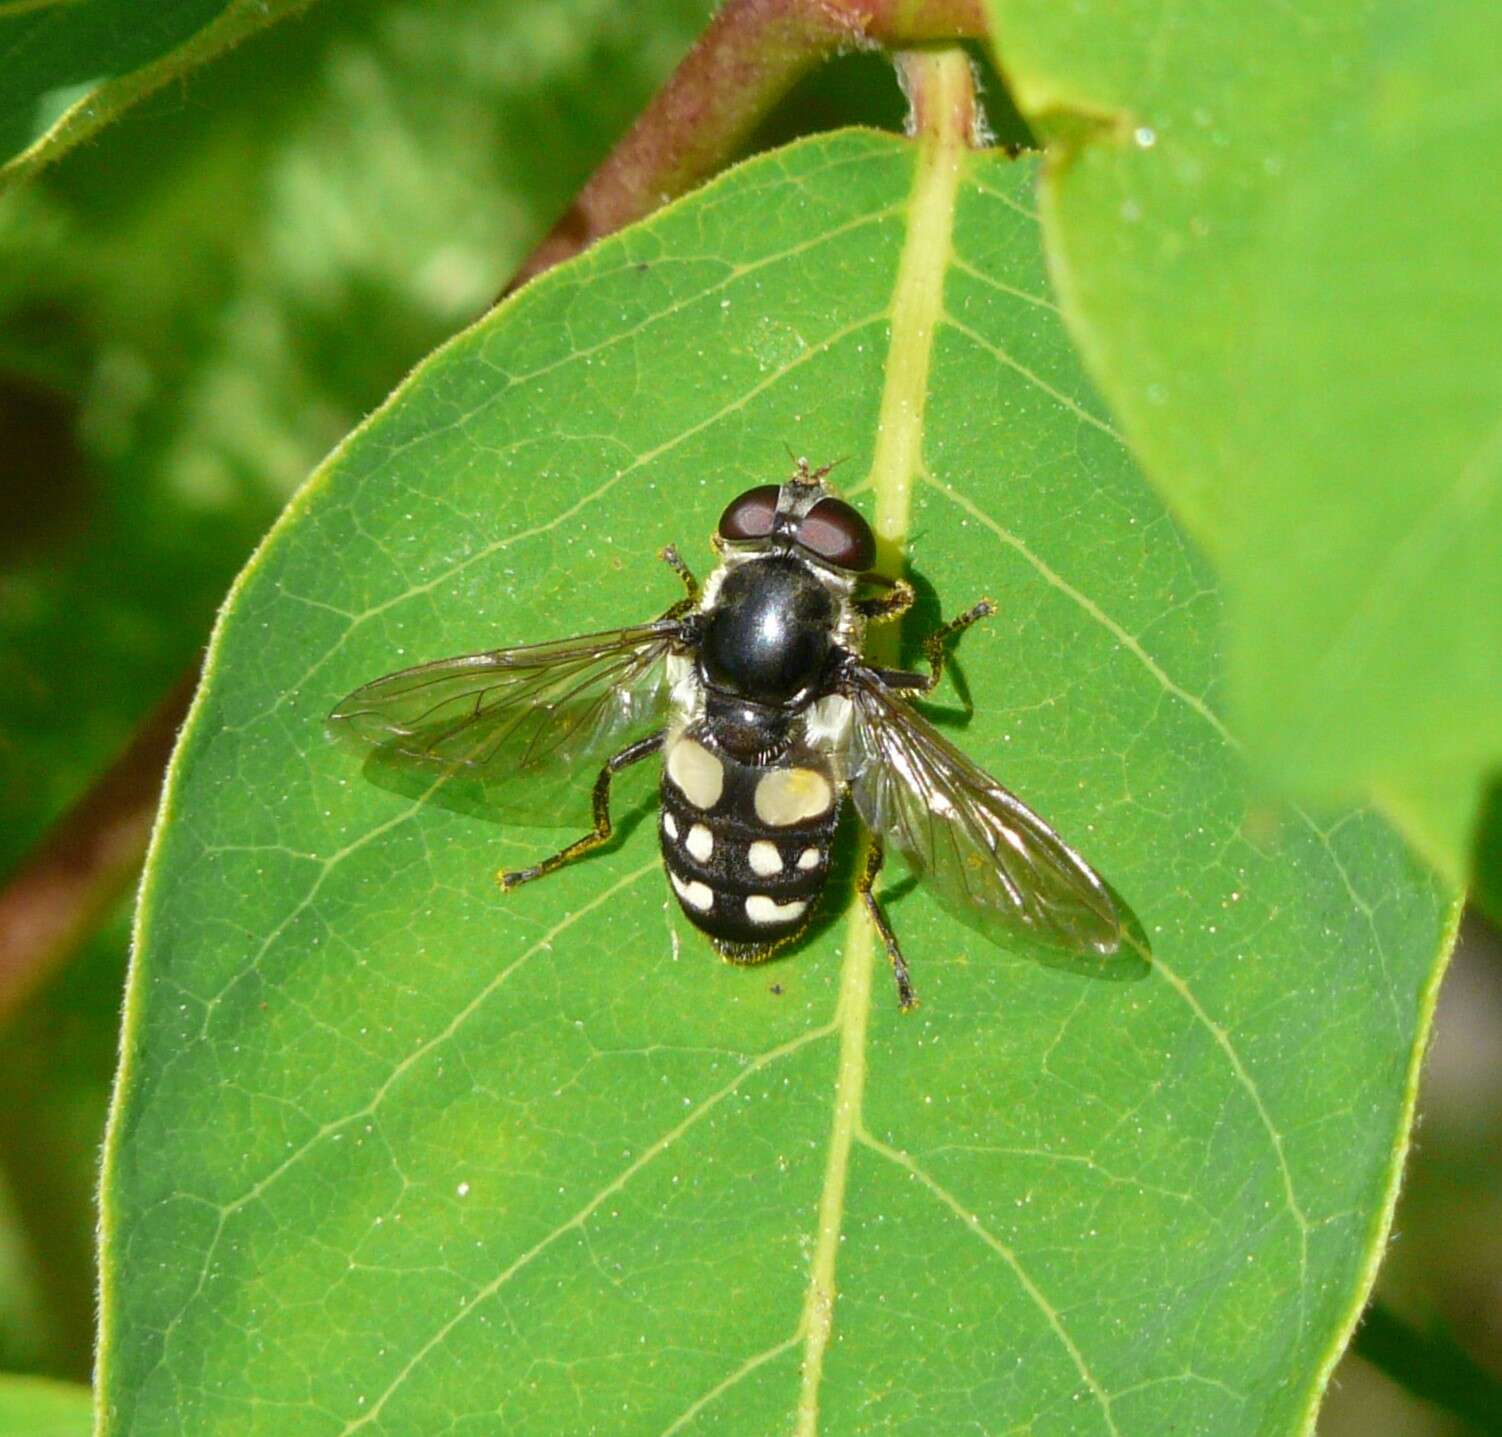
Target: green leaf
(69,67)
(37,1407)
(1272,250)
(394,1154)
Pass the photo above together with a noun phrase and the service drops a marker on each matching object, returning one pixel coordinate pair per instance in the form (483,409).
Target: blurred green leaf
(68,67)
(394,1154)
(1431,1366)
(36,1407)
(1487,894)
(1273,249)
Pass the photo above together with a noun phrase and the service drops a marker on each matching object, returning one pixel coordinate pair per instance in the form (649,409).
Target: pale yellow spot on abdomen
(793,795)
(695,894)
(699,775)
(700,842)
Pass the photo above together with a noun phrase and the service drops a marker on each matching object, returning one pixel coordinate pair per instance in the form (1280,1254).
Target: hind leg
(632,753)
(906,1000)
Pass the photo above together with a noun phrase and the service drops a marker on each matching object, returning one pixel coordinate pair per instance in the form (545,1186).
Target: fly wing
(509,732)
(992,861)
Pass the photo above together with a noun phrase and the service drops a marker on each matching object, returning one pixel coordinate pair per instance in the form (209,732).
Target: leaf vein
(1008,1256)
(325,1130)
(746,1368)
(579,1218)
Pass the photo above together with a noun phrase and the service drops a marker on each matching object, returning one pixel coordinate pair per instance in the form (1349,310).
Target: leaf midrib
(917,306)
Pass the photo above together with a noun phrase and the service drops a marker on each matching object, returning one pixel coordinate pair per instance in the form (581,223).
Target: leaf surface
(1272,247)
(393,1154)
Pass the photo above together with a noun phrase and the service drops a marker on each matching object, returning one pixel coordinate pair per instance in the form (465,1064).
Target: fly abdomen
(746,845)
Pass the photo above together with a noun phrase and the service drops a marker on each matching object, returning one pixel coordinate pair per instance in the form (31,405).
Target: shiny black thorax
(770,634)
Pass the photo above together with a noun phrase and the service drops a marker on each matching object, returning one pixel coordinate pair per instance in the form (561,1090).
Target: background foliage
(178,296)
(1285,282)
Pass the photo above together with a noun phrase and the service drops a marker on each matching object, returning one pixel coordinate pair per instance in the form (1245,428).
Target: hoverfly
(754,692)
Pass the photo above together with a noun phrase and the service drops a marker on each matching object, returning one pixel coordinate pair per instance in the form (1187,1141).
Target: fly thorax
(768,637)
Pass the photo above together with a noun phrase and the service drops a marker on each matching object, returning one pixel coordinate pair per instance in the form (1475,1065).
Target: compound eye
(838,535)
(750,515)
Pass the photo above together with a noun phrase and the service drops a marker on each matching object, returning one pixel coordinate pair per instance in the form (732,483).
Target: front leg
(671,557)
(933,651)
(632,753)
(886,607)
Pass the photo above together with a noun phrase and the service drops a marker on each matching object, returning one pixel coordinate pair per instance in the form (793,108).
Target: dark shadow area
(1486,892)
(861,89)
(929,613)
(856,89)
(45,497)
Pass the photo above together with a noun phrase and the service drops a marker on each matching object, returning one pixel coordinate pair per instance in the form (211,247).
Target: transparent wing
(509,732)
(992,861)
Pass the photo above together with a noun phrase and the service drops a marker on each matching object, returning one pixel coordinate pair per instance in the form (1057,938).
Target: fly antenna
(802,474)
(833,464)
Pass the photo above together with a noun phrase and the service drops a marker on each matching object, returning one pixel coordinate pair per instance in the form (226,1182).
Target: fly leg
(632,753)
(906,1002)
(888,606)
(933,651)
(671,557)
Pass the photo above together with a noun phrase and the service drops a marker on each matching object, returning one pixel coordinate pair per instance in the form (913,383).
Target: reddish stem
(753,52)
(85,861)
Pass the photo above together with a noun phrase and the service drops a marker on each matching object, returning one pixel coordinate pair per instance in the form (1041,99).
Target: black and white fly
(755,692)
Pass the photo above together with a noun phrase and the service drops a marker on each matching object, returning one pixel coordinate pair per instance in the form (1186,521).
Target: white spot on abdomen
(809,858)
(699,775)
(695,894)
(670,825)
(700,842)
(764,858)
(761,909)
(793,795)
